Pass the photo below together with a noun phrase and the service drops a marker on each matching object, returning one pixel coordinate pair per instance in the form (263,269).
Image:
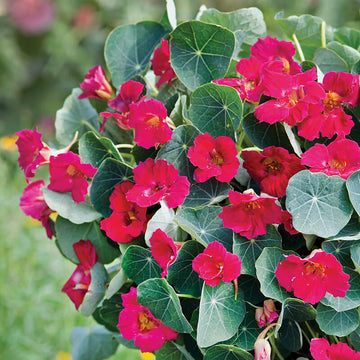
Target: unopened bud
(262,349)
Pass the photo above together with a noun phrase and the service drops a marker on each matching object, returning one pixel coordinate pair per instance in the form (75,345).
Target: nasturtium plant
(211,210)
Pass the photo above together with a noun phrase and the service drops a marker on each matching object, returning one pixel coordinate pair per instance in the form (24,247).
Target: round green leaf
(355,339)
(206,193)
(94,150)
(175,151)
(68,233)
(264,135)
(340,249)
(352,298)
(216,109)
(352,184)
(328,60)
(248,332)
(110,310)
(297,310)
(75,116)
(205,226)
(110,173)
(228,352)
(172,351)
(355,254)
(266,265)
(247,22)
(77,213)
(347,53)
(347,36)
(160,298)
(93,343)
(96,291)
(337,323)
(251,289)
(249,250)
(200,52)
(128,49)
(139,265)
(220,314)
(319,204)
(181,274)
(290,335)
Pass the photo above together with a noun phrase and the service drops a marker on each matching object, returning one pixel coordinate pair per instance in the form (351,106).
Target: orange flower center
(252,205)
(152,120)
(337,164)
(314,269)
(272,165)
(132,215)
(286,65)
(216,158)
(72,170)
(295,96)
(332,100)
(145,323)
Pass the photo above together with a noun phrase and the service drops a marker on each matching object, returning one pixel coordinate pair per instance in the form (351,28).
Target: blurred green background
(46,48)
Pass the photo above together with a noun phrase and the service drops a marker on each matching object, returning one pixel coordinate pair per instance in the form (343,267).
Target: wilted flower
(312,277)
(215,264)
(137,323)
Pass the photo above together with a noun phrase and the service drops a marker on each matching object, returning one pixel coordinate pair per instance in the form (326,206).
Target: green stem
(240,140)
(153,89)
(323,34)
(305,336)
(313,335)
(274,347)
(84,122)
(292,140)
(124,146)
(186,296)
(298,48)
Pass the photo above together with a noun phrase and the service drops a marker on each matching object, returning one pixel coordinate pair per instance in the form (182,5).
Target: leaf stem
(124,146)
(323,34)
(84,122)
(187,296)
(298,47)
(274,347)
(313,335)
(292,140)
(153,89)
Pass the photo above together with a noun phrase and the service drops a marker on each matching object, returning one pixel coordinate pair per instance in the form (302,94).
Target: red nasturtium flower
(137,323)
(321,350)
(341,157)
(312,277)
(163,249)
(32,203)
(130,92)
(272,168)
(33,152)
(155,181)
(68,174)
(96,85)
(149,119)
(341,89)
(128,219)
(78,284)
(249,213)
(161,64)
(216,264)
(288,223)
(296,97)
(214,157)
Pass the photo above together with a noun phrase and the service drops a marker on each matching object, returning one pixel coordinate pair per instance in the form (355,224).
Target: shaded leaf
(340,249)
(248,332)
(228,352)
(172,351)
(328,60)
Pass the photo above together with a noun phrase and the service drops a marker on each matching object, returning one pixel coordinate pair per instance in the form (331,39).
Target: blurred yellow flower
(62,355)
(8,142)
(147,356)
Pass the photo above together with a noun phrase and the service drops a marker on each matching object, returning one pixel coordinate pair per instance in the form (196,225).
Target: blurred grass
(36,318)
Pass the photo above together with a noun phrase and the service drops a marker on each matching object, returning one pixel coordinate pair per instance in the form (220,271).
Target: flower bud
(262,349)
(270,311)
(260,317)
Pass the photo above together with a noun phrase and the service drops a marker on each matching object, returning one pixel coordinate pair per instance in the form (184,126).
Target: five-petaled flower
(163,249)
(249,213)
(161,64)
(214,157)
(78,284)
(151,124)
(68,174)
(32,203)
(128,219)
(272,168)
(312,277)
(156,181)
(321,350)
(136,322)
(96,85)
(215,264)
(341,157)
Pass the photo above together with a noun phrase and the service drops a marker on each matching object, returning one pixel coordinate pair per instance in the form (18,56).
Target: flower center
(314,269)
(152,120)
(252,205)
(272,165)
(332,100)
(145,323)
(72,170)
(337,164)
(295,96)
(132,215)
(216,158)
(286,65)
